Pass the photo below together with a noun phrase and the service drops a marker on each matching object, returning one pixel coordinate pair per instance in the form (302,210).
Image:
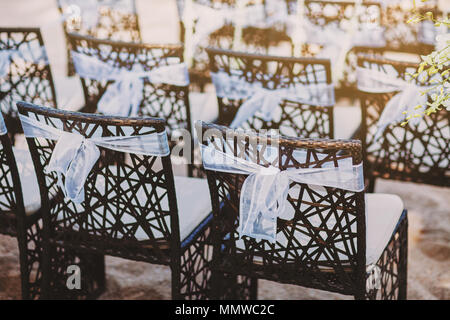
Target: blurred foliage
(436,65)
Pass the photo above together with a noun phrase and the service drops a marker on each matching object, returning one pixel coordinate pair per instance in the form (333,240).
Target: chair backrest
(11,199)
(129,206)
(292,118)
(415,152)
(169,102)
(257,34)
(28,77)
(321,227)
(112,19)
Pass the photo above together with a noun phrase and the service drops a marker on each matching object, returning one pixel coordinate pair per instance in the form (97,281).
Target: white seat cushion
(383,212)
(203,107)
(28,181)
(193,202)
(69,93)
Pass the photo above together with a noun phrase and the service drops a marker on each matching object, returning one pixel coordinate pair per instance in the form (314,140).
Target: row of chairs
(118,20)
(135,208)
(110,221)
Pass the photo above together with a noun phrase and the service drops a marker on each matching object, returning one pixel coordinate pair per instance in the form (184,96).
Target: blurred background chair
(417,152)
(167,101)
(26,75)
(325,236)
(19,213)
(131,205)
(103,19)
(307,112)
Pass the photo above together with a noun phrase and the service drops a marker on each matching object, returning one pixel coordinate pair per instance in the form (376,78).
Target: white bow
(265,100)
(264,192)
(124,96)
(74,155)
(409,97)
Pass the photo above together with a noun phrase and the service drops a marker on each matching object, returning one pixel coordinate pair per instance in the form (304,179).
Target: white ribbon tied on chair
(3,129)
(264,192)
(74,155)
(409,96)
(124,96)
(24,54)
(266,101)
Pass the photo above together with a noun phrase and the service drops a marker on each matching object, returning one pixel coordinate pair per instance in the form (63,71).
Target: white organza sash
(409,97)
(24,54)
(3,129)
(74,155)
(264,192)
(124,96)
(266,101)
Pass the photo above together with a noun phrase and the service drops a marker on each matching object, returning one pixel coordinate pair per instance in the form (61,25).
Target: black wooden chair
(260,38)
(112,19)
(28,77)
(19,215)
(324,237)
(170,102)
(133,207)
(326,15)
(415,152)
(291,117)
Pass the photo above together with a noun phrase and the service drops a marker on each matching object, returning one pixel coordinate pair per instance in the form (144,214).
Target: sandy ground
(429,215)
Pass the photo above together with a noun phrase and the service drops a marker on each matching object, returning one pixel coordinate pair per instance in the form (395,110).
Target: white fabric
(193,202)
(28,182)
(410,96)
(74,155)
(69,93)
(125,95)
(3,129)
(264,192)
(266,101)
(383,212)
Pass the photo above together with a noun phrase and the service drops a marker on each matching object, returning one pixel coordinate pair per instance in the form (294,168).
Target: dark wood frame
(235,272)
(62,237)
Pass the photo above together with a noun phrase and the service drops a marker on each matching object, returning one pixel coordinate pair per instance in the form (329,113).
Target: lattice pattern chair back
(169,102)
(320,236)
(417,38)
(292,118)
(104,19)
(417,152)
(26,75)
(129,207)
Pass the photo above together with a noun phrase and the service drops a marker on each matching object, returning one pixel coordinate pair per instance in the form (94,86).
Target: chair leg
(194,273)
(371,186)
(234,287)
(393,266)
